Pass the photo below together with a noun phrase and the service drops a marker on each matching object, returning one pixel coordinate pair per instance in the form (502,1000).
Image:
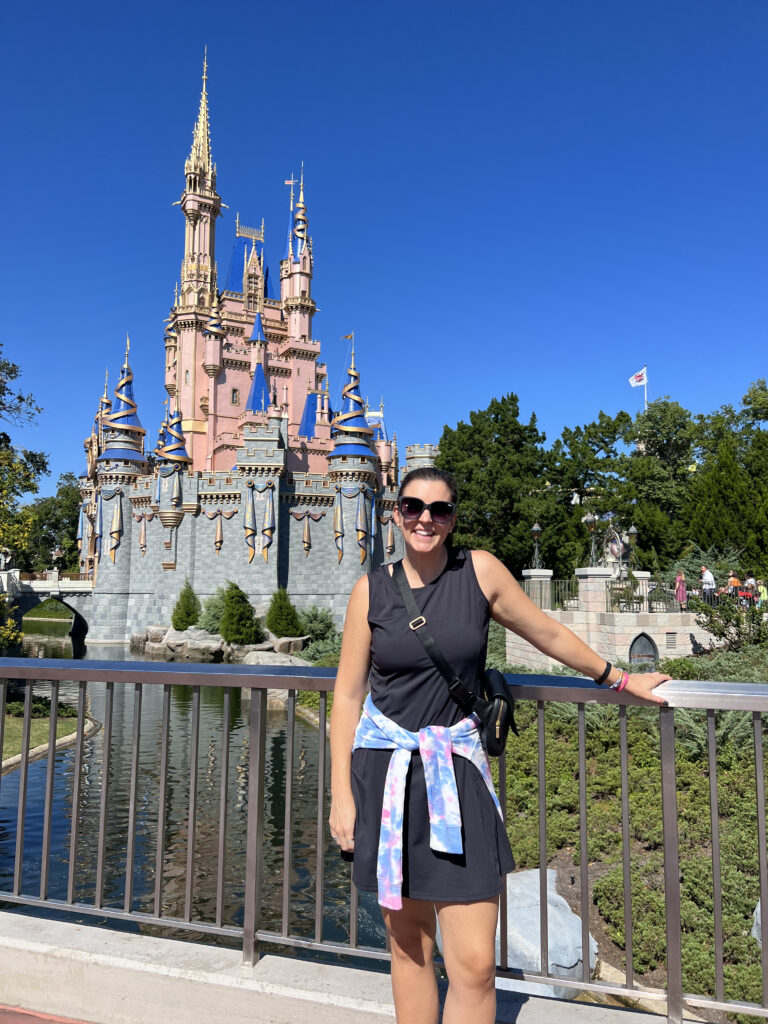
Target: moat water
(174,843)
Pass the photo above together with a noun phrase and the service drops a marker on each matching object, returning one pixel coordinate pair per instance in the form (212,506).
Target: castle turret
(174,450)
(353,456)
(123,452)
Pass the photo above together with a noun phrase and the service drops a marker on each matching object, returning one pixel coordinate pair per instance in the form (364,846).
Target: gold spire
(199,161)
(127,345)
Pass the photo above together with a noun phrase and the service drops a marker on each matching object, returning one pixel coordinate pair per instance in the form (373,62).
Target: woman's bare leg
(468,932)
(412,940)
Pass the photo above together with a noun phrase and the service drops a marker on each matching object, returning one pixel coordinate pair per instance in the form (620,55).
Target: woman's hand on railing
(342,822)
(642,684)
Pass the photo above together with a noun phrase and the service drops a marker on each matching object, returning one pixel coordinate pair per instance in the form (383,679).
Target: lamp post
(590,521)
(632,537)
(536,533)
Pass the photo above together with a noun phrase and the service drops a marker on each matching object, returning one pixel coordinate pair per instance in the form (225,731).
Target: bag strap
(463,696)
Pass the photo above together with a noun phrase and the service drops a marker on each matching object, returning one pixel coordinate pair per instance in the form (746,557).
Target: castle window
(235,396)
(186,376)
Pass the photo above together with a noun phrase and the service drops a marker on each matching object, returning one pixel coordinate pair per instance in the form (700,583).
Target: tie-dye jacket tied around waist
(436,744)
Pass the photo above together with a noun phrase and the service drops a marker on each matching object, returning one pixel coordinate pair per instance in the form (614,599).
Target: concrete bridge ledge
(108,977)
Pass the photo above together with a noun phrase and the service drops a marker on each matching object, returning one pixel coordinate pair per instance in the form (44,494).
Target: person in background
(681,594)
(762,595)
(733,583)
(707,584)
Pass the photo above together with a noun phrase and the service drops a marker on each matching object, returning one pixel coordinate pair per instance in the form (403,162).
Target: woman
(457,592)
(681,595)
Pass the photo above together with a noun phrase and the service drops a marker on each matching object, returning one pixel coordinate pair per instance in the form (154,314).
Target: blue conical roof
(258,396)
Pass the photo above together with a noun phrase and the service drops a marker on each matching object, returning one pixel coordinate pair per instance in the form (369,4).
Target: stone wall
(611,634)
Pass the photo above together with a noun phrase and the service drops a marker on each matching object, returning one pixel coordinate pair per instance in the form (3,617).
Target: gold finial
(381,406)
(205,66)
(106,381)
(127,345)
(301,186)
(237,222)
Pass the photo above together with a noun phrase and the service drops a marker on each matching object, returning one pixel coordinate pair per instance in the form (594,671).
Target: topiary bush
(316,623)
(282,618)
(239,624)
(187,610)
(213,609)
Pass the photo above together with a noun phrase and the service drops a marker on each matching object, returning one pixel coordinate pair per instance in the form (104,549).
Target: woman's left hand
(642,684)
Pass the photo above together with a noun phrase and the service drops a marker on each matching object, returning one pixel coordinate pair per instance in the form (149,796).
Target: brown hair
(430,473)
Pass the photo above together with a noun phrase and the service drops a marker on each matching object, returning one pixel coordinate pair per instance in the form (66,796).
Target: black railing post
(255,825)
(671,867)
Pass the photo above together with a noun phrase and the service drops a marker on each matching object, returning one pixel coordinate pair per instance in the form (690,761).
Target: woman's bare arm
(514,609)
(348,693)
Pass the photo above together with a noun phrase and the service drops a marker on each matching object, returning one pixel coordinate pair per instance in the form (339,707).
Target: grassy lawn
(38,733)
(50,609)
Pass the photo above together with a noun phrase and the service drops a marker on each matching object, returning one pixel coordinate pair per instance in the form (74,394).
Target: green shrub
(213,609)
(316,623)
(239,624)
(187,610)
(50,609)
(324,653)
(282,618)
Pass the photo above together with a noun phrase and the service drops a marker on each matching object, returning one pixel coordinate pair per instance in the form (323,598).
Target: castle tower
(186,344)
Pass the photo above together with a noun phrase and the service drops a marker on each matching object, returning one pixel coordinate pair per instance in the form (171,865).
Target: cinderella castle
(254,477)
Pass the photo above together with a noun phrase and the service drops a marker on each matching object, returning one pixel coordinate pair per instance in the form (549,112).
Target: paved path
(16,1016)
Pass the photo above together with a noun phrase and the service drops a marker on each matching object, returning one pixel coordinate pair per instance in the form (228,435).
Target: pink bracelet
(621,682)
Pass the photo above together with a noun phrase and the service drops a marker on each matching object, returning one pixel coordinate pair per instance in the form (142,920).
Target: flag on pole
(637,380)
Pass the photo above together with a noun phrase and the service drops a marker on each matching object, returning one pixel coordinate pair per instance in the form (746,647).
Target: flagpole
(645,389)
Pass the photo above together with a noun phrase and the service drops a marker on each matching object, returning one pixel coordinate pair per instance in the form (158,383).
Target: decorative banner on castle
(143,518)
(163,471)
(361,528)
(219,514)
(97,528)
(80,526)
(389,546)
(305,514)
(116,529)
(268,524)
(338,525)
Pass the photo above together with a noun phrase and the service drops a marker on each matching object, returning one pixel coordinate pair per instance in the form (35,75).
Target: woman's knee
(473,966)
(411,935)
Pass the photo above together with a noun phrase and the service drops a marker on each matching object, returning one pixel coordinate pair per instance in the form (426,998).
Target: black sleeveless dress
(406,687)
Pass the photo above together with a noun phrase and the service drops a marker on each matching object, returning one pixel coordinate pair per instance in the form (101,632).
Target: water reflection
(183,840)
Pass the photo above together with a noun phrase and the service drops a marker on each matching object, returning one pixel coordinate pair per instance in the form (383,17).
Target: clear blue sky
(537,196)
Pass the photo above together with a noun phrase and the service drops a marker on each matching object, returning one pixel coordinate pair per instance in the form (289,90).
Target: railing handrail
(679,693)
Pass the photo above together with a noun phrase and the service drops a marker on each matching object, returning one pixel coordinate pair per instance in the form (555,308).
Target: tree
(238,623)
(499,464)
(213,610)
(53,524)
(187,610)
(20,469)
(282,618)
(721,509)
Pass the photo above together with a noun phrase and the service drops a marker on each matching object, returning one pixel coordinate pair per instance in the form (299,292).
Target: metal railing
(633,595)
(553,595)
(280,791)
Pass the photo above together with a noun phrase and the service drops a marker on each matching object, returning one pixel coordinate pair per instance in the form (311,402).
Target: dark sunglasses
(412,508)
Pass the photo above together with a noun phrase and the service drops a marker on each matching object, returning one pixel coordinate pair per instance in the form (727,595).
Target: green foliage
(187,610)
(239,624)
(749,665)
(213,610)
(732,626)
(325,652)
(41,708)
(282,618)
(51,609)
(316,623)
(20,469)
(10,634)
(53,524)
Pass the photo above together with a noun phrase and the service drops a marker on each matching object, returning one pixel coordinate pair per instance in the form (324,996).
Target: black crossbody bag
(495,709)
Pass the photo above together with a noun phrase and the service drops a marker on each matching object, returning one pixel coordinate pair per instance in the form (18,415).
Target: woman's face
(423,535)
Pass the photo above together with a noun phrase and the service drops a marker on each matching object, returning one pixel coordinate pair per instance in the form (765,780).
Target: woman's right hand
(342,822)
